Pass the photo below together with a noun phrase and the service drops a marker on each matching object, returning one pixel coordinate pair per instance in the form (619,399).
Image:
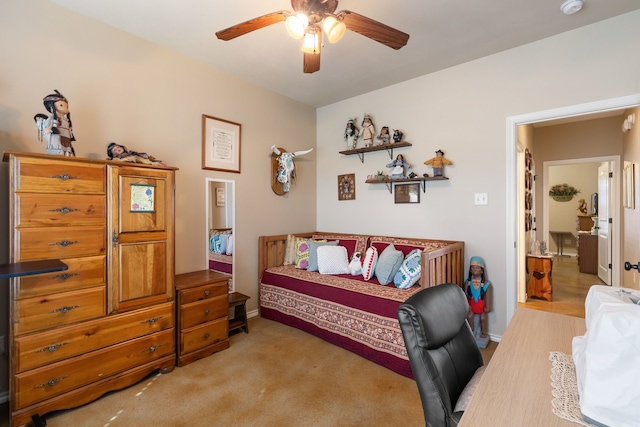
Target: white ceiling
(443,33)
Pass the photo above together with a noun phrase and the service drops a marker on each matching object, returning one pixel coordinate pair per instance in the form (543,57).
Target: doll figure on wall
(399,166)
(479,294)
(120,152)
(368,131)
(384,137)
(351,134)
(56,129)
(438,162)
(397,135)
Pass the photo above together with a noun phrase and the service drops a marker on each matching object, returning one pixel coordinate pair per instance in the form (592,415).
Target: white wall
(463,111)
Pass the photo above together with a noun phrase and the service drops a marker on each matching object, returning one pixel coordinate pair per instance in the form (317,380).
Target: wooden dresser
(203,314)
(588,253)
(107,321)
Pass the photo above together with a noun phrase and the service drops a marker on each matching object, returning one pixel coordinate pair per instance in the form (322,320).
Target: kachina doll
(384,137)
(368,131)
(351,133)
(438,162)
(56,129)
(479,295)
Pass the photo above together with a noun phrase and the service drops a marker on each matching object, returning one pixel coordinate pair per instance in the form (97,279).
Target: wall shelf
(422,180)
(389,147)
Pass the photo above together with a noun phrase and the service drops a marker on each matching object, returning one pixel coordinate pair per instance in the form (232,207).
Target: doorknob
(628,266)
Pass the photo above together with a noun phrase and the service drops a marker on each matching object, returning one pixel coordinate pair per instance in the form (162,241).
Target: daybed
(221,250)
(344,309)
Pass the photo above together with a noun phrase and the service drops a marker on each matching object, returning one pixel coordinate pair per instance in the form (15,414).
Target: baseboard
(254,313)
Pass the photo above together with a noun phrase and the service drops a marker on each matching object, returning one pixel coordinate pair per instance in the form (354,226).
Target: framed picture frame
(347,186)
(220,196)
(407,193)
(143,198)
(220,144)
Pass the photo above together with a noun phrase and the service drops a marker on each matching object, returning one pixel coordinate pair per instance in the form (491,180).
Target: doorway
(515,234)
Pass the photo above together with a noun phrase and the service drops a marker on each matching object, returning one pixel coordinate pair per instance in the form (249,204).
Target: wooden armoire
(108,321)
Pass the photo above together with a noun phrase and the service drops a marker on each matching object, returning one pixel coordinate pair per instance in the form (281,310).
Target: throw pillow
(229,250)
(369,263)
(302,253)
(410,270)
(333,260)
(388,264)
(313,252)
(466,394)
(291,249)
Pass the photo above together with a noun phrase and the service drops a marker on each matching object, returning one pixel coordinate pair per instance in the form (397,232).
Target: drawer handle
(64,310)
(65,276)
(52,382)
(64,177)
(153,348)
(206,336)
(152,320)
(64,243)
(51,348)
(206,311)
(206,293)
(64,210)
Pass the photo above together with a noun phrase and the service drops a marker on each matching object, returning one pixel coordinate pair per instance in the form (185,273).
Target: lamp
(297,24)
(312,38)
(335,29)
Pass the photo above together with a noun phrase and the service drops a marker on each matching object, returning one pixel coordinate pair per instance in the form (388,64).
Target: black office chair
(442,350)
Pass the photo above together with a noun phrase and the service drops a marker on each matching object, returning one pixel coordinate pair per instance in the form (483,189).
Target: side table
(539,284)
(238,302)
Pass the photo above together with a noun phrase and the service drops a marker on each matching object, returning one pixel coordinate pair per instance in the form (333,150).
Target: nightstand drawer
(36,175)
(50,311)
(38,210)
(204,311)
(203,292)
(201,336)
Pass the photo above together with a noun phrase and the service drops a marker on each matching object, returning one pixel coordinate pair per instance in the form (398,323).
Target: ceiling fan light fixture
(311,43)
(570,7)
(296,25)
(334,28)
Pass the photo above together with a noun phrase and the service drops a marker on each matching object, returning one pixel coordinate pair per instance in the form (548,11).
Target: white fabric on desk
(607,357)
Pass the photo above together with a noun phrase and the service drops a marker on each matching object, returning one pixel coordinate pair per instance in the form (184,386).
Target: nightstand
(238,301)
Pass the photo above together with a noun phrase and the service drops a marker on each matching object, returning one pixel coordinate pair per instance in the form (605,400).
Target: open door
(604,229)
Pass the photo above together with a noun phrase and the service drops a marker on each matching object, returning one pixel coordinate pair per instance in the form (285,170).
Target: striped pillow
(369,264)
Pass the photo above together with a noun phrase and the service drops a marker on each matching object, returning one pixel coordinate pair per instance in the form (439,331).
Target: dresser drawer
(37,210)
(203,292)
(46,382)
(35,175)
(82,273)
(60,242)
(50,311)
(204,311)
(201,336)
(42,349)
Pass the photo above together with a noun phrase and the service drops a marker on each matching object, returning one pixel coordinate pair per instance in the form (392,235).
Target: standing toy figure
(397,135)
(582,206)
(399,166)
(438,162)
(479,295)
(368,131)
(384,137)
(56,129)
(351,134)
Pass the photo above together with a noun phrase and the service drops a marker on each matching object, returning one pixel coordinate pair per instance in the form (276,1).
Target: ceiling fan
(308,19)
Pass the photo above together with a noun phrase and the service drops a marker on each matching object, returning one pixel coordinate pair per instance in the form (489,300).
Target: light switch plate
(481,199)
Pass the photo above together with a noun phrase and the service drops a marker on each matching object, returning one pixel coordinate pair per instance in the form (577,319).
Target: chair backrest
(441,347)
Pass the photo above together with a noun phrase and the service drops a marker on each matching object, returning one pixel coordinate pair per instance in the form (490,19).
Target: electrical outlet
(481,199)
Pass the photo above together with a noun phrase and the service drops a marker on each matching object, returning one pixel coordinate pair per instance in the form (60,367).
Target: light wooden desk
(515,389)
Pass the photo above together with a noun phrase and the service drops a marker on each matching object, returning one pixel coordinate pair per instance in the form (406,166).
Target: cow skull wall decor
(283,169)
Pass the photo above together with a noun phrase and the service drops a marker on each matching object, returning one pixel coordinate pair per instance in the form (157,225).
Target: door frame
(514,234)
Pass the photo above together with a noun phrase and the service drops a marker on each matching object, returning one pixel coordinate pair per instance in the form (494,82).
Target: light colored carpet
(273,376)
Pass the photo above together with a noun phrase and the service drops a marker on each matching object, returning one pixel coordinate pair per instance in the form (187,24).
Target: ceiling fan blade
(252,25)
(311,62)
(375,30)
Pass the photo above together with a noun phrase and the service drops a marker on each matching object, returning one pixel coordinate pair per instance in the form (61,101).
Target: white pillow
(333,260)
(229,250)
(369,263)
(467,393)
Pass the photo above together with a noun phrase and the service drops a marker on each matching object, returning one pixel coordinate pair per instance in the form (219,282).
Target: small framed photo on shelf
(220,144)
(407,193)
